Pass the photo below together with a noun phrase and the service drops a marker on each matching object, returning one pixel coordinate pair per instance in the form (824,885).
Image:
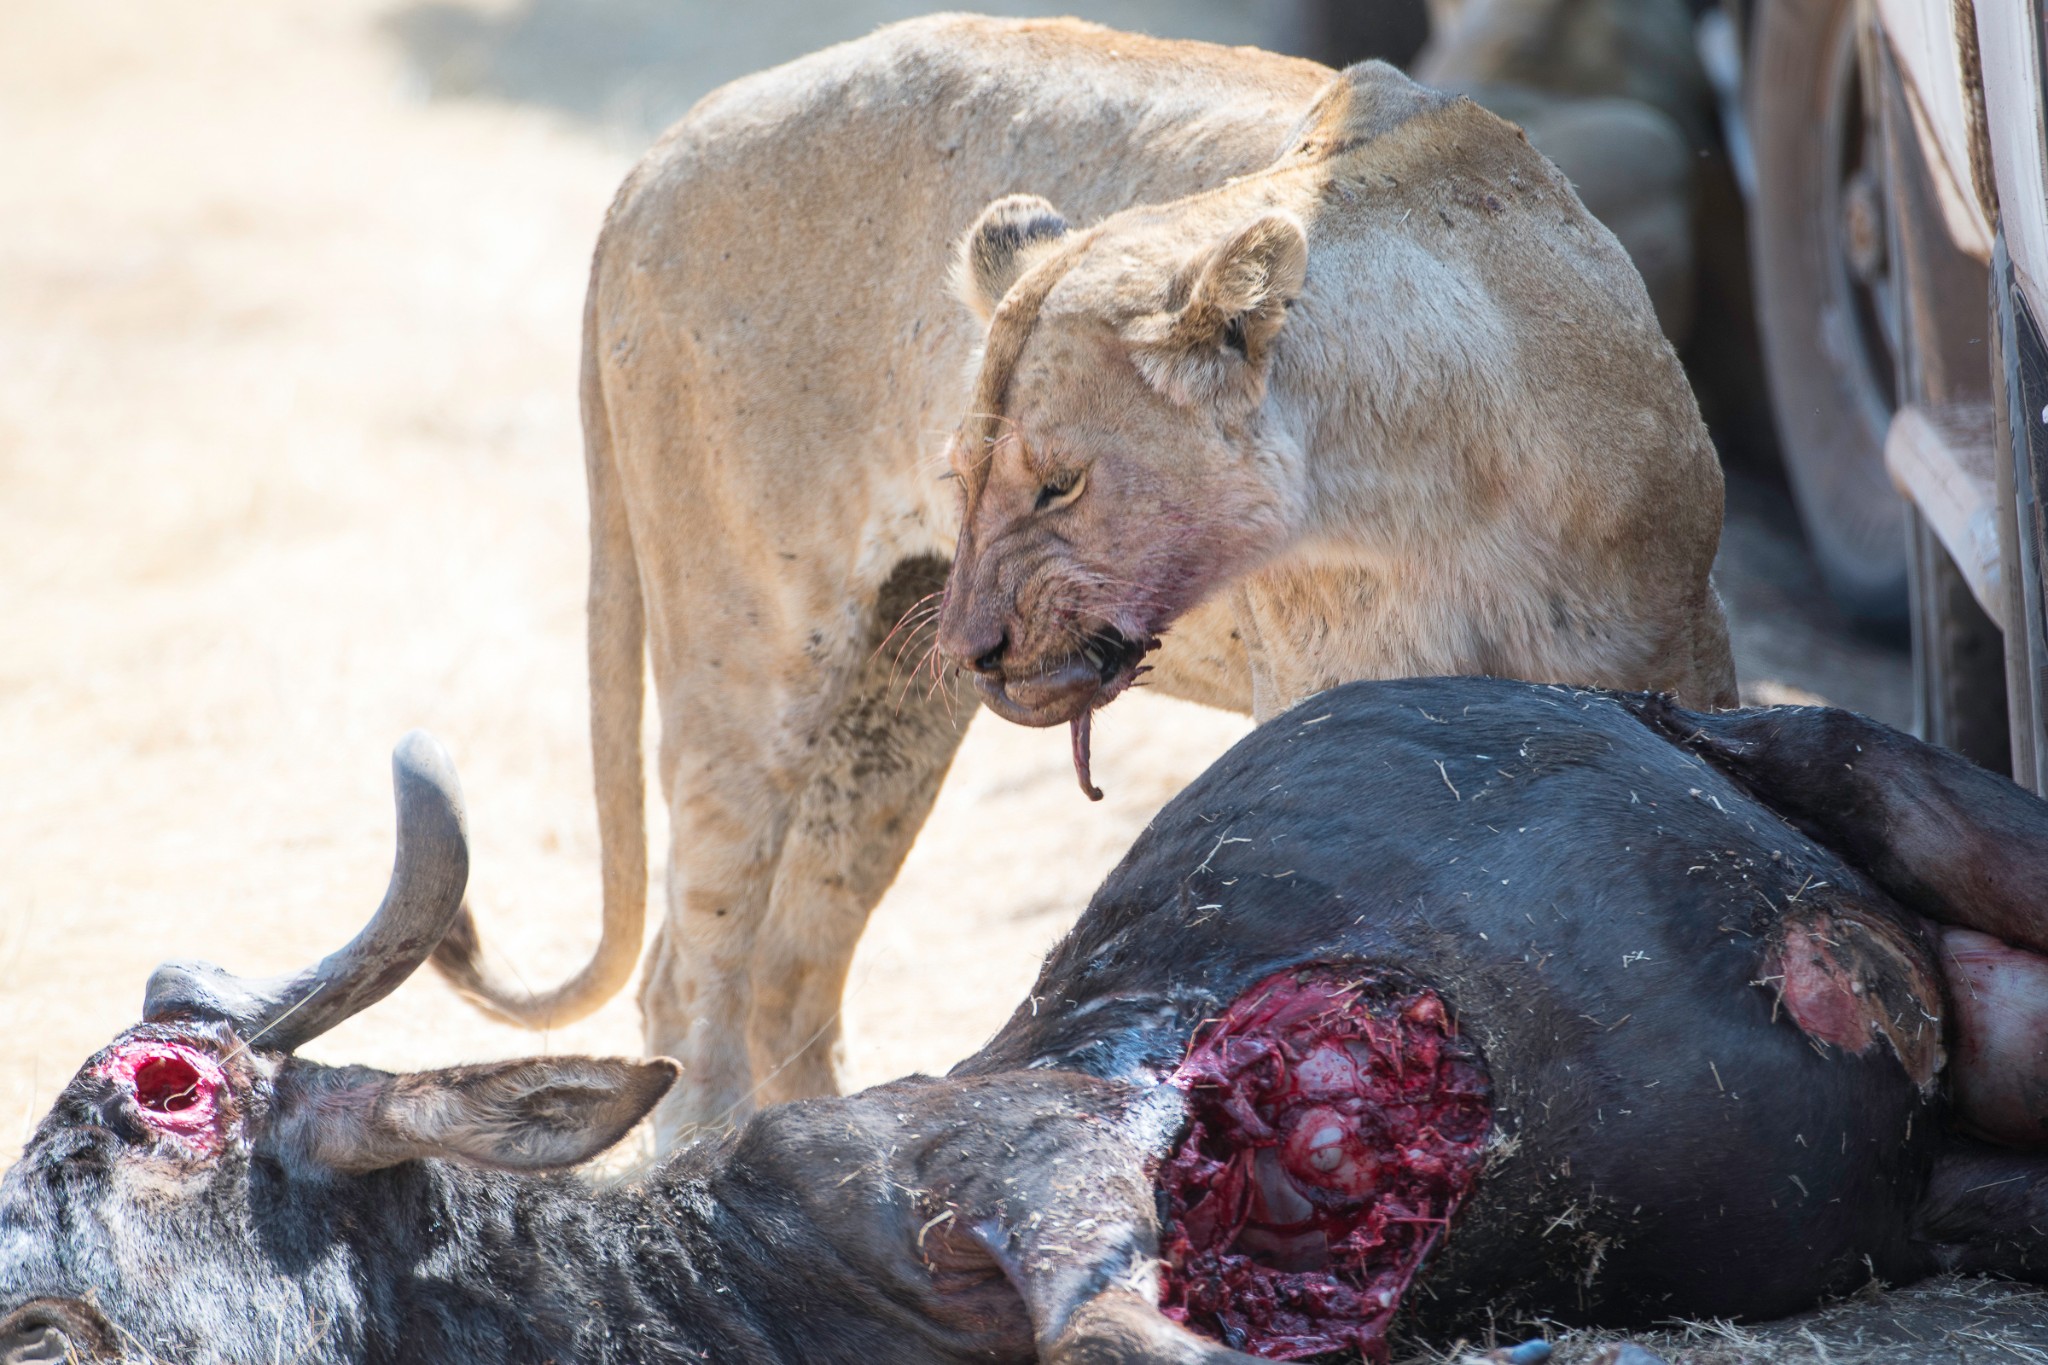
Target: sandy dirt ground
(289,463)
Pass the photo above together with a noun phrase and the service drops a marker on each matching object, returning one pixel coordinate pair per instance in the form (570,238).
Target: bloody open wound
(1337,1121)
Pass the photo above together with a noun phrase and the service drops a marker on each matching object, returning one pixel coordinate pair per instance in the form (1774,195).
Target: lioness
(1362,392)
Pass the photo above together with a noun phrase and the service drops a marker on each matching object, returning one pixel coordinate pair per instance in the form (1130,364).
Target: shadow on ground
(634,66)
(1792,643)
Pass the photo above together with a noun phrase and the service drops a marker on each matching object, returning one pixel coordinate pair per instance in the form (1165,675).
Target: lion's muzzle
(1056,690)
(1047,697)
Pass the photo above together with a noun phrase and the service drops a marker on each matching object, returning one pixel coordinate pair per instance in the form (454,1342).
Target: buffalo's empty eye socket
(176,1087)
(167,1084)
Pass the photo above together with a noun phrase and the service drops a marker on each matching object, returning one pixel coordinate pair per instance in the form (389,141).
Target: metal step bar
(1944,460)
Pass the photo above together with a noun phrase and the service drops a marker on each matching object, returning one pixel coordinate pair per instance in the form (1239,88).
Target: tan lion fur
(1468,404)
(1446,436)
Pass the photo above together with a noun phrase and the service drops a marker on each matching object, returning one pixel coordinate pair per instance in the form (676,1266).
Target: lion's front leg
(1203,658)
(880,763)
(1309,630)
(728,819)
(774,865)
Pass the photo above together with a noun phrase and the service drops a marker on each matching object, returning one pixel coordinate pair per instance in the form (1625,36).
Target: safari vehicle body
(1892,151)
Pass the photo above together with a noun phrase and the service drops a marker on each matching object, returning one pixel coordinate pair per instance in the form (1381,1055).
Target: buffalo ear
(538,1114)
(1218,345)
(1009,236)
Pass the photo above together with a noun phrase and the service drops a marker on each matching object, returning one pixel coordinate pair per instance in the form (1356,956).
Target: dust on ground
(289,463)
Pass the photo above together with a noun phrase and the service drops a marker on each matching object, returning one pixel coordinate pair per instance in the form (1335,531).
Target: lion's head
(1120,461)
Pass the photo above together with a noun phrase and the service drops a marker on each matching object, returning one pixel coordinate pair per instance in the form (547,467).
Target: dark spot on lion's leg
(912,581)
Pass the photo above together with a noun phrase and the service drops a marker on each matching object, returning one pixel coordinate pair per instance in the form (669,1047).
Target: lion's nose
(989,662)
(981,650)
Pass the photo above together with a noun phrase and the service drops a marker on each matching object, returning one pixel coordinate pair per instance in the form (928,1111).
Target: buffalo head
(200,1193)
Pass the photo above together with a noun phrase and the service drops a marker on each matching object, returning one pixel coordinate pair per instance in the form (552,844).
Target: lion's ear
(1219,344)
(1008,236)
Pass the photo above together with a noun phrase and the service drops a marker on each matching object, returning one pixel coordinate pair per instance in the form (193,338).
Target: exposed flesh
(1337,1122)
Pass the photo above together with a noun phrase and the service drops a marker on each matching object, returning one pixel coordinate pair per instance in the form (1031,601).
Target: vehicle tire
(1817,245)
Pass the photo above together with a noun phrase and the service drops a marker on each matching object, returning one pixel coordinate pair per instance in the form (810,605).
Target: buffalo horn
(425,893)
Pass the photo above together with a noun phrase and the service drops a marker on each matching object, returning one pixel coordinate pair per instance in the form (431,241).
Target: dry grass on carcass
(1943,1321)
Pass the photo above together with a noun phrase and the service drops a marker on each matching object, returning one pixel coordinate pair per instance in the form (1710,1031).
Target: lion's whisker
(923,604)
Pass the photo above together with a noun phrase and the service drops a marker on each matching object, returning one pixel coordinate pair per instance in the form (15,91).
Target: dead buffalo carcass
(1538,999)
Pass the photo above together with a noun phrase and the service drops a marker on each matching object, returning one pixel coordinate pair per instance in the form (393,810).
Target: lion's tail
(617,636)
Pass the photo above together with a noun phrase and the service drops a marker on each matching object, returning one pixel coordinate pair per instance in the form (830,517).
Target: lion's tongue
(1078,726)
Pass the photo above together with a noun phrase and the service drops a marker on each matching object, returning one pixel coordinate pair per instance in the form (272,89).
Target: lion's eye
(1061,491)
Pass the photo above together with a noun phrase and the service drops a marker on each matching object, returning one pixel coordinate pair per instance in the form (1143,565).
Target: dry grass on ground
(289,463)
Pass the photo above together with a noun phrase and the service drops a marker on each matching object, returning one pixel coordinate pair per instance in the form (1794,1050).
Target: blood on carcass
(176,1087)
(1337,1120)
